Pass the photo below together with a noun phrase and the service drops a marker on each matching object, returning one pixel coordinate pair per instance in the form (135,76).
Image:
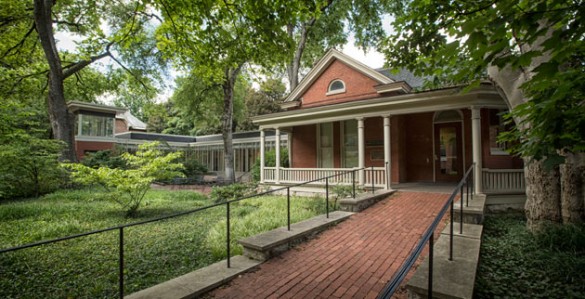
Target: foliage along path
(355,259)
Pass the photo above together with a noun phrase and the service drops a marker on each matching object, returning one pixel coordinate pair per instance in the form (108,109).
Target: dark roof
(404,75)
(188,139)
(155,137)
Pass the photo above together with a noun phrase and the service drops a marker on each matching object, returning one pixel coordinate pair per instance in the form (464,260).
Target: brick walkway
(355,259)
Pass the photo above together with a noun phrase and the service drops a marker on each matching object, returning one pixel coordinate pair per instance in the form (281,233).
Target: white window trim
(337,91)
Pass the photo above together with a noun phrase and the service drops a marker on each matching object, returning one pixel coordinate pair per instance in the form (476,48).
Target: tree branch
(21,42)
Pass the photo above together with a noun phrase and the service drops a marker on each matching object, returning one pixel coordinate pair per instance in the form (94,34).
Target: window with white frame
(336,86)
(496,126)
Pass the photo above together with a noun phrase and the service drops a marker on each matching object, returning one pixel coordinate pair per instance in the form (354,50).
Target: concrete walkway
(355,259)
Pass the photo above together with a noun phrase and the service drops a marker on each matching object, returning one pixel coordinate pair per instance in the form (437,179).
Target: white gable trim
(324,63)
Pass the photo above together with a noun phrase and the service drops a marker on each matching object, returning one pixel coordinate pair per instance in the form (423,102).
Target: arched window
(336,86)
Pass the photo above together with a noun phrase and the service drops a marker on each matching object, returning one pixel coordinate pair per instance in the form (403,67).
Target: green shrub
(231,192)
(107,158)
(270,161)
(193,167)
(127,187)
(29,166)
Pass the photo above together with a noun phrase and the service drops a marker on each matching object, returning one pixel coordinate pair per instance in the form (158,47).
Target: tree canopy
(532,50)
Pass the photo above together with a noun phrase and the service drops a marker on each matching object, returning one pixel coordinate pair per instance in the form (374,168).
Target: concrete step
(197,283)
(266,245)
(451,279)
(473,210)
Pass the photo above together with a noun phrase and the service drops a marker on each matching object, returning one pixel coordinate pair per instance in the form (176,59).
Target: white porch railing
(344,175)
(503,181)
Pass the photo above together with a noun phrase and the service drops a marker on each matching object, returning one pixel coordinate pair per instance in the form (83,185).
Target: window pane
(350,144)
(336,85)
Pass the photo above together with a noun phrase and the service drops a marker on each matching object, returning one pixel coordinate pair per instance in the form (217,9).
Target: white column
(277,146)
(387,152)
(476,145)
(262,142)
(361,150)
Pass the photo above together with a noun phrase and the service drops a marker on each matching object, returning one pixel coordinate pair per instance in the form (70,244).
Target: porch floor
(425,187)
(354,259)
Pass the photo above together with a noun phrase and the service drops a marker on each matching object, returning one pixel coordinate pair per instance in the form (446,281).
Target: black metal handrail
(120,228)
(428,236)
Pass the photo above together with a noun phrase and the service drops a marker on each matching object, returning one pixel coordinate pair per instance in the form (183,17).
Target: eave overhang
(436,100)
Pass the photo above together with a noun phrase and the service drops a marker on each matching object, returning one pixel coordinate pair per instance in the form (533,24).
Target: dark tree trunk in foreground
(62,122)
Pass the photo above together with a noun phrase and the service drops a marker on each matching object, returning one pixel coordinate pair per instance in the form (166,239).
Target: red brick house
(344,115)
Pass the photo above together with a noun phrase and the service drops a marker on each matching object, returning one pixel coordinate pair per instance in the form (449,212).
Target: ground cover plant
(515,263)
(87,267)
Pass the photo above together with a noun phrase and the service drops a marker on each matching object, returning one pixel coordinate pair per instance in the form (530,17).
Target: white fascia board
(442,100)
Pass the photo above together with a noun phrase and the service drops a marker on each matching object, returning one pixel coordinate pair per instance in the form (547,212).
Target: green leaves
(541,41)
(127,187)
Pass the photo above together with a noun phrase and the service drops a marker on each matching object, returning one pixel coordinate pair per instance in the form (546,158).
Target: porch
(494,181)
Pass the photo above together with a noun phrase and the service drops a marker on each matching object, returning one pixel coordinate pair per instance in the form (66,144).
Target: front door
(448,152)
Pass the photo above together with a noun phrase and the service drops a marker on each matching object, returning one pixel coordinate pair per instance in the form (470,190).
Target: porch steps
(455,278)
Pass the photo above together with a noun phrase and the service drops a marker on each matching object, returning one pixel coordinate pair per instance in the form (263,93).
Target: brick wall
(304,147)
(357,86)
(418,153)
(81,147)
(121,126)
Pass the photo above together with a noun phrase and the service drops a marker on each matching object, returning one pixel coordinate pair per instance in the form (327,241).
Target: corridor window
(335,87)
(96,126)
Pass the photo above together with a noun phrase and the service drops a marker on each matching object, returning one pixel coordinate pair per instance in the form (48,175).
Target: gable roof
(131,120)
(323,63)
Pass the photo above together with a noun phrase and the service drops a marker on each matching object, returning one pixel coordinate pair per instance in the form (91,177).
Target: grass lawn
(517,264)
(87,267)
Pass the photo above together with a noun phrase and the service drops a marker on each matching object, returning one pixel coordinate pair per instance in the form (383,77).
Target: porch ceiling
(445,99)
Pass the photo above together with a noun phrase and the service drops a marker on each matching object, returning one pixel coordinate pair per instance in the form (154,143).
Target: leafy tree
(28,159)
(533,53)
(264,101)
(197,106)
(215,39)
(127,187)
(327,24)
(104,28)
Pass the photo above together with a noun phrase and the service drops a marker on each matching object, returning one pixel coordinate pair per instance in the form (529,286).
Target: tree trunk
(293,67)
(572,188)
(543,189)
(62,122)
(227,122)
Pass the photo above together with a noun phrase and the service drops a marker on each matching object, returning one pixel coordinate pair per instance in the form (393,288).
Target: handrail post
(288,207)
(431,253)
(461,211)
(472,181)
(372,178)
(327,196)
(353,182)
(228,233)
(467,192)
(451,230)
(121,264)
